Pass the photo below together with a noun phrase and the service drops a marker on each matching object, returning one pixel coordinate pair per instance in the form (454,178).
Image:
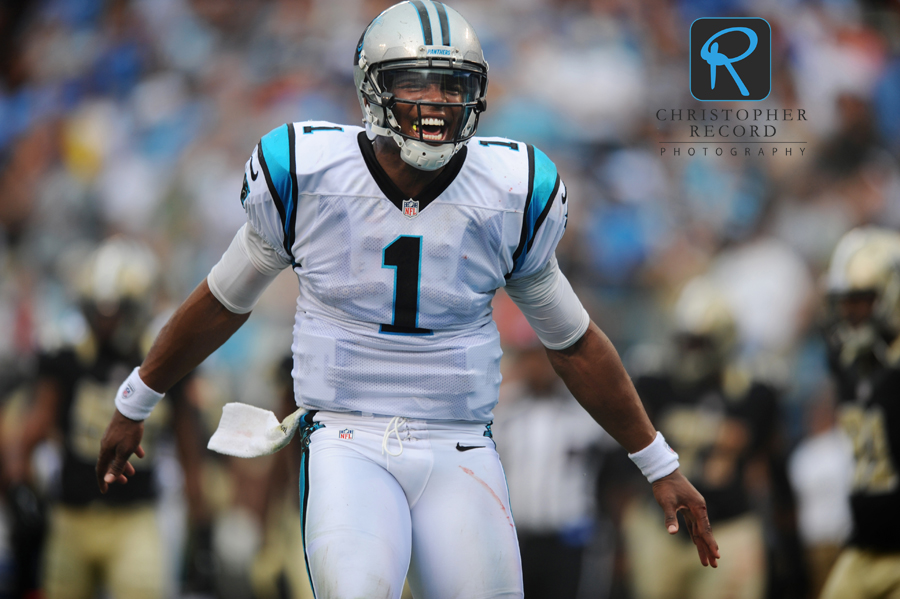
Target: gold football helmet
(863,285)
(116,287)
(705,331)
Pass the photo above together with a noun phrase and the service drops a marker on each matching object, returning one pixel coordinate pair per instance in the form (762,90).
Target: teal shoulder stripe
(543,180)
(543,215)
(277,148)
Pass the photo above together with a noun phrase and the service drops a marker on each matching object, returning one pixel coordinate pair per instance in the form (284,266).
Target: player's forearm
(593,372)
(199,326)
(38,424)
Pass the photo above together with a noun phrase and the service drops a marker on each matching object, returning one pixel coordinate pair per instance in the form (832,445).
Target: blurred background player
(265,491)
(722,423)
(864,342)
(820,470)
(111,541)
(550,449)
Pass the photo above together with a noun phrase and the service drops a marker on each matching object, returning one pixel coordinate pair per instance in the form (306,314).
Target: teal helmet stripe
(425,20)
(428,26)
(445,24)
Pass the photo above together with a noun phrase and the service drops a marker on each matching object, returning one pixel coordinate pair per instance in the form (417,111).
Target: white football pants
(385,499)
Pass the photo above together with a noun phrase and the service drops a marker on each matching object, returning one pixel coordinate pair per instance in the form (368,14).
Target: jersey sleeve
(544,218)
(269,195)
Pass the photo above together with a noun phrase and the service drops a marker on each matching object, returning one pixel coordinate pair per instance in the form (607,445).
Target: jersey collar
(390,190)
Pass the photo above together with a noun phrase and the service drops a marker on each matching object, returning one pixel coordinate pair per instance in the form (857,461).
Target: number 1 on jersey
(404,255)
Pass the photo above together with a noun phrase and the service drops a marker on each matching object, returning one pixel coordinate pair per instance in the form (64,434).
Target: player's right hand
(121,439)
(675,493)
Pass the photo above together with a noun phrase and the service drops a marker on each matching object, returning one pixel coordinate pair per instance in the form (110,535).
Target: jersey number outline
(875,471)
(509,144)
(404,256)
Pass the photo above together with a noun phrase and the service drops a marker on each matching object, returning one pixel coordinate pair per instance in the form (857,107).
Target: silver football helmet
(421,79)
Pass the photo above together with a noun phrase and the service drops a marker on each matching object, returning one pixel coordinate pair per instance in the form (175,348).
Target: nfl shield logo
(345,433)
(410,208)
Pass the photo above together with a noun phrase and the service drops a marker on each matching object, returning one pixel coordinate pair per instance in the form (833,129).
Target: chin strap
(426,157)
(419,154)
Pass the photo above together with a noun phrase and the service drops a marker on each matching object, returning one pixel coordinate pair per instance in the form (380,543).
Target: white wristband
(135,400)
(656,460)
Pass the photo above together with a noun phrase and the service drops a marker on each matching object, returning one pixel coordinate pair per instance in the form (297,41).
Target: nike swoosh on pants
(468,447)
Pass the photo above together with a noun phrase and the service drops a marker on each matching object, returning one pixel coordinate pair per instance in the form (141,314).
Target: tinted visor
(444,86)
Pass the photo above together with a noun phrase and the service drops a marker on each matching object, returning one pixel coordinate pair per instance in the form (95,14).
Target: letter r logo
(731,59)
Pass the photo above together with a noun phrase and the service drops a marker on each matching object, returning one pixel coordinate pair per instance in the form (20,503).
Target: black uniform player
(864,343)
(109,541)
(719,420)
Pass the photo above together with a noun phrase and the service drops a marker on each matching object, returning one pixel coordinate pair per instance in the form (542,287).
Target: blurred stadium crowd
(134,119)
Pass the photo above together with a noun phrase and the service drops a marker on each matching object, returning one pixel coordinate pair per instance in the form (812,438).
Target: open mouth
(432,129)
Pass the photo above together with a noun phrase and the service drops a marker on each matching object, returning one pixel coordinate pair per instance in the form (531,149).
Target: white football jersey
(394,311)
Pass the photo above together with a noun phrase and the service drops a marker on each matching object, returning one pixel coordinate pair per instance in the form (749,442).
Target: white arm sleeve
(247,267)
(548,302)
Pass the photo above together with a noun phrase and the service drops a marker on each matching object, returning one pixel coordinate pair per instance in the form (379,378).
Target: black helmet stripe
(445,25)
(424,19)
(362,38)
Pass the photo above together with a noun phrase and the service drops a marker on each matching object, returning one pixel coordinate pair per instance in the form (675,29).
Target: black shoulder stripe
(279,205)
(523,238)
(544,213)
(291,219)
(445,25)
(425,20)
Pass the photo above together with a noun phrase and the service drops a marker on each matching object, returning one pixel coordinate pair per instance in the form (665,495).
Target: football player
(864,342)
(103,541)
(400,232)
(722,421)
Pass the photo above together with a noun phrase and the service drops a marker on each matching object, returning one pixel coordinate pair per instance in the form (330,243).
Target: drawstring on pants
(393,427)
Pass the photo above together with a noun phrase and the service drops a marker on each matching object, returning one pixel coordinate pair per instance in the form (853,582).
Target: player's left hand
(675,493)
